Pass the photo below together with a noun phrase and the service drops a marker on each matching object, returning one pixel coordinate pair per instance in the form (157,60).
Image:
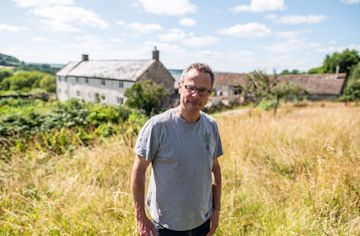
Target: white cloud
(40,40)
(11,28)
(260,6)
(62,15)
(332,49)
(120,22)
(292,45)
(198,41)
(165,7)
(350,1)
(143,28)
(298,19)
(173,35)
(291,34)
(187,22)
(67,15)
(247,30)
(188,39)
(115,40)
(41,3)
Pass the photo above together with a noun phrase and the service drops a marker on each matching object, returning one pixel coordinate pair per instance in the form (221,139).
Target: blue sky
(233,36)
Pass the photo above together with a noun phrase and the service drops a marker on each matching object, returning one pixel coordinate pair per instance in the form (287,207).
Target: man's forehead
(193,74)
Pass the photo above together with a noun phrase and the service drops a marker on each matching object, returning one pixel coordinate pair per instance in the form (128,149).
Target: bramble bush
(65,126)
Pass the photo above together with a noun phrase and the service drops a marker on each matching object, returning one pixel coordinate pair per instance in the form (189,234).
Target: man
(183,145)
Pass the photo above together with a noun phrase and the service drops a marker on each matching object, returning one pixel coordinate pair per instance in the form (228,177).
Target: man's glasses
(201,91)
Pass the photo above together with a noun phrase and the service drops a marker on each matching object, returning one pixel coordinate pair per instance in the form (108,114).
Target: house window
(103,98)
(119,100)
(77,80)
(78,93)
(86,80)
(121,84)
(103,82)
(65,78)
(59,78)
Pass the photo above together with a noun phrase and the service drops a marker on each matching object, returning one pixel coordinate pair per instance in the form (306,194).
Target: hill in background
(10,61)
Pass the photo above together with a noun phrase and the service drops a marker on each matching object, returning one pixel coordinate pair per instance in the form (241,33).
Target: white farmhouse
(105,81)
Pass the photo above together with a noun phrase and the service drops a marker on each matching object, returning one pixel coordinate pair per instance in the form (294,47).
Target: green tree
(345,60)
(262,87)
(352,90)
(4,74)
(148,96)
(48,82)
(27,80)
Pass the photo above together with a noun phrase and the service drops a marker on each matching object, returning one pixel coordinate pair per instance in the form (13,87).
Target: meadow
(294,174)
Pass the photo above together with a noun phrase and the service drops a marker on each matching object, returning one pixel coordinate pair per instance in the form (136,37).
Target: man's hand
(214,220)
(145,227)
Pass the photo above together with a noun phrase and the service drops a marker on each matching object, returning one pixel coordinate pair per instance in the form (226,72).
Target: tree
(48,82)
(148,96)
(262,87)
(26,80)
(345,60)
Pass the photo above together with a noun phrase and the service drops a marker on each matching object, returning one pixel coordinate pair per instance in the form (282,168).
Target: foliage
(288,72)
(4,74)
(7,60)
(80,124)
(46,68)
(352,91)
(147,95)
(345,60)
(262,87)
(280,177)
(25,81)
(316,70)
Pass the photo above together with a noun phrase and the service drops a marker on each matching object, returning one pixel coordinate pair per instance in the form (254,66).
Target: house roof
(328,84)
(109,69)
(224,78)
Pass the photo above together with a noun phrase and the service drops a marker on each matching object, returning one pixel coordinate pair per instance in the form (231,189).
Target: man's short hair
(201,67)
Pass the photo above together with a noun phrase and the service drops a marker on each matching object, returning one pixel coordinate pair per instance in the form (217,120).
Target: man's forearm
(138,192)
(216,186)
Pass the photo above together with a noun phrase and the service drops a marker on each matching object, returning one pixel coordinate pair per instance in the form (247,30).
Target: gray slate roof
(110,69)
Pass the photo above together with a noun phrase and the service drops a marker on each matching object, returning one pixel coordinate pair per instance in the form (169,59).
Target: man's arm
(216,191)
(143,225)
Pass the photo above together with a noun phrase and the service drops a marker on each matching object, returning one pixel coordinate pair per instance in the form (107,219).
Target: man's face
(194,90)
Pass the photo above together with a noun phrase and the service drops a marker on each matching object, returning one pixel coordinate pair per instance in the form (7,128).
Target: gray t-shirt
(180,194)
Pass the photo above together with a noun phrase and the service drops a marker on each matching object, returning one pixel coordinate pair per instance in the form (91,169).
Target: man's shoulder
(162,117)
(208,118)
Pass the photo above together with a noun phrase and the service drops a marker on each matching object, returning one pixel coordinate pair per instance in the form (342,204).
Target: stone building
(105,81)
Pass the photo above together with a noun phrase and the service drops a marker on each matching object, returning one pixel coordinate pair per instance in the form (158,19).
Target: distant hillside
(7,60)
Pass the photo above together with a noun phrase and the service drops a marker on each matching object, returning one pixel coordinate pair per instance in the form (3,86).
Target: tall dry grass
(294,174)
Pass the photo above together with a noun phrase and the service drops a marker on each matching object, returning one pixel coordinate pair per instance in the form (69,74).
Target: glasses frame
(200,91)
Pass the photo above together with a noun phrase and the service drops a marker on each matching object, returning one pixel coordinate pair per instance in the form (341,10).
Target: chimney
(155,54)
(84,57)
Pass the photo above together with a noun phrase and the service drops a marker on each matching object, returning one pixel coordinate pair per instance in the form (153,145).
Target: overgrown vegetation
(280,177)
(148,96)
(61,127)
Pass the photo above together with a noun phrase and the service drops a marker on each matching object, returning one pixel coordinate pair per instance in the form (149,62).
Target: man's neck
(189,117)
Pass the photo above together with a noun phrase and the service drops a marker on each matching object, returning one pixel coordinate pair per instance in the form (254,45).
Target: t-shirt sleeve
(147,144)
(218,148)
